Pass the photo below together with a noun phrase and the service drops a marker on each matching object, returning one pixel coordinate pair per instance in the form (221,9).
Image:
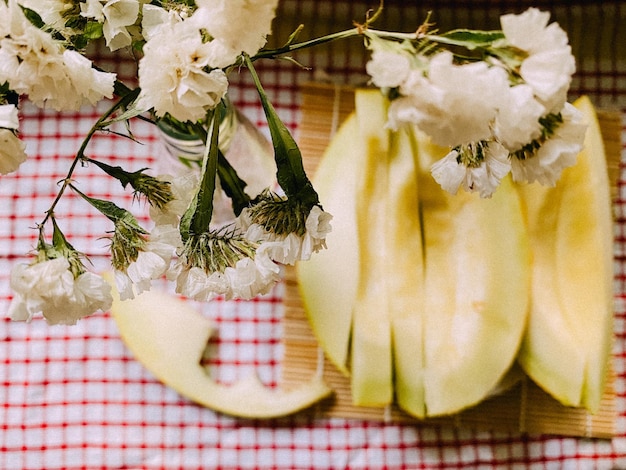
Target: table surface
(74,397)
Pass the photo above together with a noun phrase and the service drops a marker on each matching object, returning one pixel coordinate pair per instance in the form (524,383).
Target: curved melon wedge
(387,324)
(566,349)
(365,315)
(477,280)
(328,281)
(168,338)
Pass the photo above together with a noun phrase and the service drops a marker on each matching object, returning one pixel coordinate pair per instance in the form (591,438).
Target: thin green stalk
(80,155)
(286,49)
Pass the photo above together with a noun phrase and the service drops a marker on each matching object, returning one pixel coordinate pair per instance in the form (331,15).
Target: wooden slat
(525,408)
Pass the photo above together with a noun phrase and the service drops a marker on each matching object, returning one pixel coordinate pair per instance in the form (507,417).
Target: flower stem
(80,155)
(286,49)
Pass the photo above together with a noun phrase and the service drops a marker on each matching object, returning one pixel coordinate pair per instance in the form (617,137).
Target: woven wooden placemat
(524,408)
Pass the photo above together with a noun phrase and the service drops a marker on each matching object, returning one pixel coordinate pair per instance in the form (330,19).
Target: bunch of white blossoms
(37,63)
(238,260)
(57,285)
(182,72)
(500,106)
(187,51)
(504,111)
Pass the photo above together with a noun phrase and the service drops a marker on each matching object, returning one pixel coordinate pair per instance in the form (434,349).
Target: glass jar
(245,147)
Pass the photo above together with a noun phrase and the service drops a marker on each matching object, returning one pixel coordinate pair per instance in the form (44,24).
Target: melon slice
(566,349)
(405,282)
(328,281)
(371,363)
(386,340)
(168,338)
(440,350)
(367,321)
(476,288)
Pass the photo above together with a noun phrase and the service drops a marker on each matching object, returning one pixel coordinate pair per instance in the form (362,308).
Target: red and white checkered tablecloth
(75,398)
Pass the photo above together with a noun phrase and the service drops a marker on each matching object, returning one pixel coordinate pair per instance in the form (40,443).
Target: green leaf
(198,215)
(33,17)
(117,172)
(123,91)
(180,130)
(290,170)
(58,238)
(93,30)
(127,104)
(112,211)
(232,184)
(129,113)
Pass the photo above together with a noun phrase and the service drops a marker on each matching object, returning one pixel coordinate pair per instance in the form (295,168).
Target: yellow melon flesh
(476,287)
(406,281)
(169,338)
(371,363)
(566,350)
(367,180)
(438,345)
(387,314)
(328,281)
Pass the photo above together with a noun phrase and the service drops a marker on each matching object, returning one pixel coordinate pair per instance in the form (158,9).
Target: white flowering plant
(497,99)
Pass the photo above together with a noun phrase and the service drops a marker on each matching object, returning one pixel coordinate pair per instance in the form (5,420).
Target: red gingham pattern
(74,397)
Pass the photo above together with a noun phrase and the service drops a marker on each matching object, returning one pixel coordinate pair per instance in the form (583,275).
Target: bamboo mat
(524,408)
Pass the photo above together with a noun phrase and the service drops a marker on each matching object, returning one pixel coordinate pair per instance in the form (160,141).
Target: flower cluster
(57,285)
(500,106)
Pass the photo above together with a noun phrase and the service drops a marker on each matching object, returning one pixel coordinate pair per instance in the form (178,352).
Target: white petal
(448,172)
(9,118)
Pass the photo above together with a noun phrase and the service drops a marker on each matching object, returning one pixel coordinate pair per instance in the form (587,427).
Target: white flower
(482,178)
(517,122)
(291,247)
(556,153)
(453,104)
(49,287)
(222,263)
(9,118)
(550,63)
(530,31)
(402,111)
(388,69)
(152,262)
(12,153)
(92,9)
(550,74)
(172,73)
(50,11)
(89,84)
(35,64)
(118,16)
(448,172)
(236,26)
(153,17)
(91,293)
(196,283)
(250,278)
(245,280)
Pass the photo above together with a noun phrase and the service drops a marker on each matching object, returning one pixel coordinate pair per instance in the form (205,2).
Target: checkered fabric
(75,398)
